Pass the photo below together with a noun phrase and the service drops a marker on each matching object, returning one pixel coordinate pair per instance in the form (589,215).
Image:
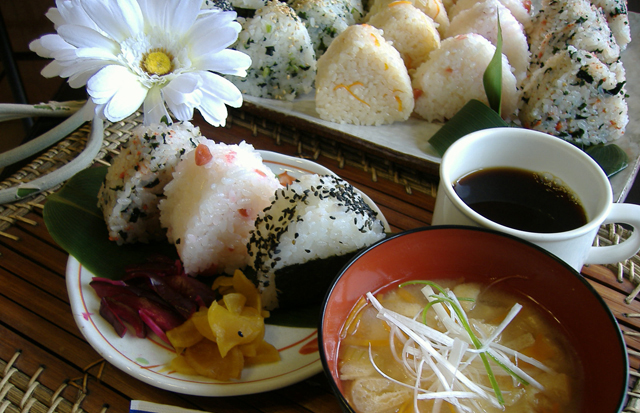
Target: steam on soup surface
(421,367)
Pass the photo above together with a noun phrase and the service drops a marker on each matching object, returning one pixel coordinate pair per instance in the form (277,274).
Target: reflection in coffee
(521,199)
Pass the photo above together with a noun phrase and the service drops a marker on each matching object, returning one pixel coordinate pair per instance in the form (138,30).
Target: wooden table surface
(45,361)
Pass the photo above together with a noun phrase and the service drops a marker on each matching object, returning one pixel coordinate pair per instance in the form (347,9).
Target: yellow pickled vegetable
(232,329)
(218,341)
(185,335)
(206,360)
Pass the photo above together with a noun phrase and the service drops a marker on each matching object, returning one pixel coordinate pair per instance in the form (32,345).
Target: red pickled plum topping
(203,155)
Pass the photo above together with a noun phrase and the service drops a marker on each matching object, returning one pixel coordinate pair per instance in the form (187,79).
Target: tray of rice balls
(200,267)
(387,75)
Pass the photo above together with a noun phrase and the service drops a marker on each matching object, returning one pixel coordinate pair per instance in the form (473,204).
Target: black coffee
(521,199)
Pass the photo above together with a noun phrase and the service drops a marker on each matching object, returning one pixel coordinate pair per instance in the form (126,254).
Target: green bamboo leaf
(492,79)
(473,116)
(611,158)
(76,223)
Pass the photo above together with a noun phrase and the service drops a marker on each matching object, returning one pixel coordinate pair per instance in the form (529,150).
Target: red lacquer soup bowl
(482,255)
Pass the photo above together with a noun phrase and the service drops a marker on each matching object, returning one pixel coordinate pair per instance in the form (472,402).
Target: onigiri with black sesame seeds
(135,181)
(312,220)
(212,203)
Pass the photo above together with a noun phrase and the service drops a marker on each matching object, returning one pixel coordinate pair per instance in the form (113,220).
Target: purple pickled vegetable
(107,312)
(193,289)
(157,294)
(123,313)
(150,320)
(163,315)
(183,305)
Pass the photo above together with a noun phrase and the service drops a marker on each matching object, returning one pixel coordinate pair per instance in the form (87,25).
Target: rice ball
(617,16)
(453,76)
(576,97)
(211,205)
(326,19)
(581,25)
(432,8)
(412,33)
(283,60)
(136,178)
(362,80)
(520,9)
(482,19)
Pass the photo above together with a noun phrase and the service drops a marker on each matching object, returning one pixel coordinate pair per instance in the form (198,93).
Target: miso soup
(384,368)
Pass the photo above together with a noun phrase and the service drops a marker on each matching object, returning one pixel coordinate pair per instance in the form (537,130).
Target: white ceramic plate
(146,359)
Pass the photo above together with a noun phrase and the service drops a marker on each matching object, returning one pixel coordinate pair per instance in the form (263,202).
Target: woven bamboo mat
(20,393)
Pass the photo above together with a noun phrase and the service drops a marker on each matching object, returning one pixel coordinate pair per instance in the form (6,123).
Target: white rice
(411,32)
(617,16)
(136,179)
(521,10)
(576,97)
(326,19)
(362,80)
(315,217)
(210,209)
(581,25)
(283,61)
(432,8)
(453,76)
(482,19)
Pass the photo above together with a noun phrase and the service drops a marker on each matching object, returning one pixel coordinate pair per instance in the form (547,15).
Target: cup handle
(623,214)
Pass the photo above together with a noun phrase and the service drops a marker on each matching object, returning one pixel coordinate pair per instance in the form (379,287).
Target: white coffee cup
(539,152)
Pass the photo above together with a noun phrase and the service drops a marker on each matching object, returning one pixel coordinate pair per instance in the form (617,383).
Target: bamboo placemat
(20,393)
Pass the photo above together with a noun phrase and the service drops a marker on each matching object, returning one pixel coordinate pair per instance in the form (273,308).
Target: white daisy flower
(154,53)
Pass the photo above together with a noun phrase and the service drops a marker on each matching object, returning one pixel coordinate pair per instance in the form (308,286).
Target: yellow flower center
(157,63)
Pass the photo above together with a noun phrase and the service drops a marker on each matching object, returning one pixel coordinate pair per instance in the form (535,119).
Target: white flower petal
(125,101)
(104,84)
(81,36)
(70,11)
(53,69)
(226,62)
(173,16)
(47,44)
(120,19)
(214,111)
(180,88)
(214,85)
(154,108)
(181,22)
(80,72)
(181,111)
(213,40)
(56,18)
(95,53)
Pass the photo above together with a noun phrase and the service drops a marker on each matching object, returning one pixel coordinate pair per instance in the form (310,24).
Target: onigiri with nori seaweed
(135,181)
(310,230)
